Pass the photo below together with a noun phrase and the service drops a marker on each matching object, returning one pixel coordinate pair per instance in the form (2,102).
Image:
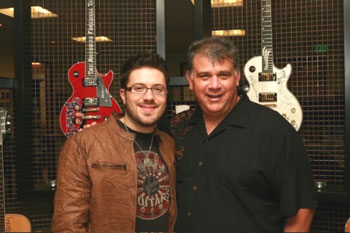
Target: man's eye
(138,88)
(157,89)
(224,76)
(203,76)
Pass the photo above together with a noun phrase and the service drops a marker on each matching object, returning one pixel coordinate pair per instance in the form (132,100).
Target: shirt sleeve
(72,197)
(295,185)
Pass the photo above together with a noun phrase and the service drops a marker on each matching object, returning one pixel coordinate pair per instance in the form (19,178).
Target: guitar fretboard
(2,193)
(90,34)
(3,117)
(266,36)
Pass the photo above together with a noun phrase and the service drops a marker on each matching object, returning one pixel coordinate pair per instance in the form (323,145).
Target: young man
(119,176)
(241,167)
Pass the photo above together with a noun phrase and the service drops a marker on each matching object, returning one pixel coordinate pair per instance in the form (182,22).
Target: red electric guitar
(90,89)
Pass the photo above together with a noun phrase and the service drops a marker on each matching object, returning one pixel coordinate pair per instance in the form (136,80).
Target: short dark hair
(215,48)
(147,59)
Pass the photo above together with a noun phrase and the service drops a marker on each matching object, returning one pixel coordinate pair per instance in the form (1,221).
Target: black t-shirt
(248,175)
(153,184)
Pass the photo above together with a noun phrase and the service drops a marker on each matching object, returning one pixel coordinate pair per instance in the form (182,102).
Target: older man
(240,166)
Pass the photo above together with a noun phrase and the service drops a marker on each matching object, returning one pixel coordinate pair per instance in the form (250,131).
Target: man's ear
(238,77)
(122,94)
(189,80)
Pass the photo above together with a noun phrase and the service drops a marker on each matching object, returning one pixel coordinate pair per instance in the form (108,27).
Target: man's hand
(300,222)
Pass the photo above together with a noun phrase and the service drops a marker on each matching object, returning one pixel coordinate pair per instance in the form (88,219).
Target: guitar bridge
(90,109)
(91,117)
(91,102)
(264,77)
(268,97)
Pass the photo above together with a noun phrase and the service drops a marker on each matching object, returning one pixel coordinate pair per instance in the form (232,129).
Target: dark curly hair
(147,59)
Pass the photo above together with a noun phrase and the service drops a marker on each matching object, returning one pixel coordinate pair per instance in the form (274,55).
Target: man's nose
(148,94)
(214,82)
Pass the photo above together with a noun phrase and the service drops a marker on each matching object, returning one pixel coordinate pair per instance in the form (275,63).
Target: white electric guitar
(268,84)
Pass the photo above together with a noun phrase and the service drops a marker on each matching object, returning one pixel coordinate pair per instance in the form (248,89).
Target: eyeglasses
(142,89)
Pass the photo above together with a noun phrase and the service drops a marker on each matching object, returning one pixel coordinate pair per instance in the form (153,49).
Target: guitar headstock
(4,123)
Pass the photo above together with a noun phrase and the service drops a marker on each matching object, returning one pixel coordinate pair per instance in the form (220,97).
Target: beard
(143,120)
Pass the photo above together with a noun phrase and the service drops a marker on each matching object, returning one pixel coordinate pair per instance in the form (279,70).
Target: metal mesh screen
(308,35)
(131,27)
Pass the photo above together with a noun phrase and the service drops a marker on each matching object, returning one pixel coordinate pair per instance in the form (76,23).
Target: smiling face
(143,110)
(214,85)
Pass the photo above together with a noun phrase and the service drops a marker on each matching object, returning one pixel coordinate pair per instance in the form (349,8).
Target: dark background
(308,34)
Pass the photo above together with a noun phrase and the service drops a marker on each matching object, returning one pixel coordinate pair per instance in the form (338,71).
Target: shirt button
(195,187)
(200,163)
(189,214)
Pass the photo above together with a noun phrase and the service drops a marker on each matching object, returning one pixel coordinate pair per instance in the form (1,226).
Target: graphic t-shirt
(153,184)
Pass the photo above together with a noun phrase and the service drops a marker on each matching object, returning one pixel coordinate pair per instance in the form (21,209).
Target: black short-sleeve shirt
(248,175)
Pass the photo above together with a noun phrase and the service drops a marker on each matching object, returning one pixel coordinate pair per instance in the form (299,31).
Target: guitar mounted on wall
(8,222)
(268,84)
(91,98)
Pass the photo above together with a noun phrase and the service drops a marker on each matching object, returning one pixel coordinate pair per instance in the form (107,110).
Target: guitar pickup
(90,82)
(268,97)
(91,102)
(91,117)
(265,77)
(90,109)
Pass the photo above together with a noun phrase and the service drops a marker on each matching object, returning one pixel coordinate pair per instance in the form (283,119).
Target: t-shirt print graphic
(153,187)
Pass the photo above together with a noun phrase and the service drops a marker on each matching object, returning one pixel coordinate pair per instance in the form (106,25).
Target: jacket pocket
(109,165)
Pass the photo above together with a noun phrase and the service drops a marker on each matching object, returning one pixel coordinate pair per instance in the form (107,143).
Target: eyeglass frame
(147,88)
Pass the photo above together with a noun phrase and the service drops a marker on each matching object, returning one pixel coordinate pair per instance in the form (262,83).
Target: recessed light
(224,3)
(232,32)
(82,39)
(36,12)
(34,63)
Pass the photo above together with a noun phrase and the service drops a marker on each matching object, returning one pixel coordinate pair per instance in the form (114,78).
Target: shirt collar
(238,116)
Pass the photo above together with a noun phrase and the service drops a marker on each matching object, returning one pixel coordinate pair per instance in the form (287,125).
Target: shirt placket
(200,165)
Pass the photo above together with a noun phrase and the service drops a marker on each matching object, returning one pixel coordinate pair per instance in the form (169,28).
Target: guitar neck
(266,36)
(2,191)
(3,124)
(90,35)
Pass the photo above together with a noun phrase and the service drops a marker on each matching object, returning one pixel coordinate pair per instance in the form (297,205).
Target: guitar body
(264,92)
(92,110)
(17,223)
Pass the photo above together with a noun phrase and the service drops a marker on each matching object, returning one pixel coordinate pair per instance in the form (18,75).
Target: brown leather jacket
(97,180)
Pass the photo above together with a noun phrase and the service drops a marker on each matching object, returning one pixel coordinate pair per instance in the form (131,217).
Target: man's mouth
(148,108)
(214,97)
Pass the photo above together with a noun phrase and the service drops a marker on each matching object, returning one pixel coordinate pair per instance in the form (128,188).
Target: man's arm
(300,222)
(72,198)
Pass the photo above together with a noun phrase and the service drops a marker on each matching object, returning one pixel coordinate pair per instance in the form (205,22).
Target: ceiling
(179,25)
(179,32)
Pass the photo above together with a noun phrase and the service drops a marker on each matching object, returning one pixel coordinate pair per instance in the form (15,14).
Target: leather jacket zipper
(109,165)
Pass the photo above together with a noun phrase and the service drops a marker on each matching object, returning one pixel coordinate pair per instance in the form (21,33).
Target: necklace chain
(150,145)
